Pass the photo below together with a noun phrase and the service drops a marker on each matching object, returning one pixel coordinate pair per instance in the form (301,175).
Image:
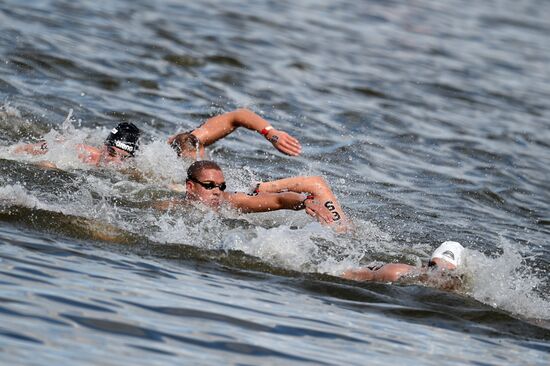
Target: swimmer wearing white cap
(448,256)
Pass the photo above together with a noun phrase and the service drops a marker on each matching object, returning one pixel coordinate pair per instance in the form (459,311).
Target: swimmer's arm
(314,185)
(220,126)
(265,202)
(38,148)
(390,272)
(302,184)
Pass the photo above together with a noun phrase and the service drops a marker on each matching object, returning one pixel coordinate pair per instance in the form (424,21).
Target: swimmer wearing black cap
(191,144)
(121,144)
(205,185)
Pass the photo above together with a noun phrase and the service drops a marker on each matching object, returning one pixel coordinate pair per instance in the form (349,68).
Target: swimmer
(205,184)
(446,258)
(120,145)
(191,144)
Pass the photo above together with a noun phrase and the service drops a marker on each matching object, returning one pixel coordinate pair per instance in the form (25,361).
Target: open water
(429,119)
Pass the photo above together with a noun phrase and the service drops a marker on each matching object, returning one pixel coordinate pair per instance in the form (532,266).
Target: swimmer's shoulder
(87,148)
(88,154)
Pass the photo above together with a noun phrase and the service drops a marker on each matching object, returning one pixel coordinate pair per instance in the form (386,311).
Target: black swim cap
(125,136)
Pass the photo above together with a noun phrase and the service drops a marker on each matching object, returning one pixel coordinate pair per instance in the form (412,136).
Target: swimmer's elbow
(240,116)
(317,184)
(393,272)
(241,111)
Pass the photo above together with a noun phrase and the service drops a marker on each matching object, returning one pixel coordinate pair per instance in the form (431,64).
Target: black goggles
(209,185)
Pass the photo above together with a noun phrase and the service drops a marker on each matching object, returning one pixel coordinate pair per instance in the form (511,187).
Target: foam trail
(17,195)
(507,282)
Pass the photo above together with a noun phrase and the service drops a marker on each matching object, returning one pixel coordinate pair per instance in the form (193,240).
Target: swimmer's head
(187,145)
(449,254)
(205,183)
(125,136)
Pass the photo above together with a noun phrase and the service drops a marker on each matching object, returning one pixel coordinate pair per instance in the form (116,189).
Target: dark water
(429,120)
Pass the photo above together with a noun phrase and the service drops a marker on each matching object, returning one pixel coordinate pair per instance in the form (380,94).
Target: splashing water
(285,239)
(507,282)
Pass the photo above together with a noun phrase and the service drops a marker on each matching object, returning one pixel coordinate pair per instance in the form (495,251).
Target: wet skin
(104,155)
(392,272)
(210,197)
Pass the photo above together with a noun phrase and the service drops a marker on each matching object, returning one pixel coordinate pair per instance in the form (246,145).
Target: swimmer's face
(207,187)
(442,264)
(114,155)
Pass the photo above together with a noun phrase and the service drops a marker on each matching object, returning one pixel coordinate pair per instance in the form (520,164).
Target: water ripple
(428,119)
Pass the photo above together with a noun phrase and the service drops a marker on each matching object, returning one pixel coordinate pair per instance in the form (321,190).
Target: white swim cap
(449,251)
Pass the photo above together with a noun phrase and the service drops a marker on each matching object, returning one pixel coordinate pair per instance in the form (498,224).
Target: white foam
(61,146)
(157,161)
(286,239)
(6,111)
(17,195)
(507,282)
(281,245)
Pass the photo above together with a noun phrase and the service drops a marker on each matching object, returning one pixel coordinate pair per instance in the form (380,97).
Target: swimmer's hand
(317,210)
(284,142)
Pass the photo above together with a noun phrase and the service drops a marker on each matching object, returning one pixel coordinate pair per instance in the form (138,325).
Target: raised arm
(316,186)
(220,126)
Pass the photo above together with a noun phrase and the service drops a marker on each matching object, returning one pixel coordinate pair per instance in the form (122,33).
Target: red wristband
(308,197)
(266,130)
(257,189)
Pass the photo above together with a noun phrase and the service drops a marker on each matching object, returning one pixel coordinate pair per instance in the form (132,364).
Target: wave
(114,207)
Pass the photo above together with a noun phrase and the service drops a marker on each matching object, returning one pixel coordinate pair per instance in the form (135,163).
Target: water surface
(429,120)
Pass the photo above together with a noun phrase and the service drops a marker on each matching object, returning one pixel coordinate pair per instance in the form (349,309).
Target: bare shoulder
(87,148)
(88,154)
